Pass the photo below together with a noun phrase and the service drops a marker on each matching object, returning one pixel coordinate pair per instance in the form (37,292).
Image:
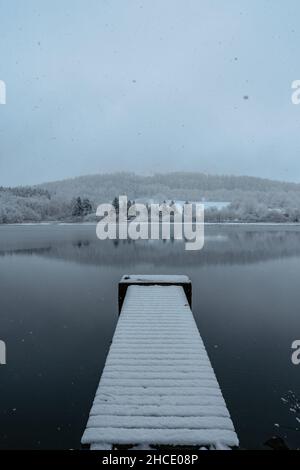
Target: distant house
(217,205)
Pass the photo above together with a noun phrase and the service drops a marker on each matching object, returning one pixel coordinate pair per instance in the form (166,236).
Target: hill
(194,186)
(250,198)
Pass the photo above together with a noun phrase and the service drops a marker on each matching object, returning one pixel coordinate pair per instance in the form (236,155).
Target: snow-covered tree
(86,207)
(77,208)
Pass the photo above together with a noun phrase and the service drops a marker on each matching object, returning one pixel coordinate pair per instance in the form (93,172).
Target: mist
(104,86)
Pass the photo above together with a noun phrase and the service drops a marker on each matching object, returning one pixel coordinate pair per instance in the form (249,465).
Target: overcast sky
(148,86)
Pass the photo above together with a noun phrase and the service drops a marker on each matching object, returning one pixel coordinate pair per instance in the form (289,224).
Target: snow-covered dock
(158,386)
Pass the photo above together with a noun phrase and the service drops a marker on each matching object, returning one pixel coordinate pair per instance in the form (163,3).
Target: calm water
(58,307)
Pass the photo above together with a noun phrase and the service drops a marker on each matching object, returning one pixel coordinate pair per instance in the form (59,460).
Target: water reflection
(58,311)
(223,245)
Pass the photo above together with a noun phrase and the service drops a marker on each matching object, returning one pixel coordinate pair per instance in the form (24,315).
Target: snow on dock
(158,386)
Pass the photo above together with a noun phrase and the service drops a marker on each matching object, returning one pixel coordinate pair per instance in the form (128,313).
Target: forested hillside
(193,186)
(252,199)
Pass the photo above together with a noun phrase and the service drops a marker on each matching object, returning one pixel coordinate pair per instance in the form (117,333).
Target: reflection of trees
(26,251)
(223,245)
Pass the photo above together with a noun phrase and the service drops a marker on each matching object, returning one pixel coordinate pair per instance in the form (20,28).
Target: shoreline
(267,224)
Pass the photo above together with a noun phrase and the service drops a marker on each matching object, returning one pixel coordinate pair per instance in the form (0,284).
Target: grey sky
(148,86)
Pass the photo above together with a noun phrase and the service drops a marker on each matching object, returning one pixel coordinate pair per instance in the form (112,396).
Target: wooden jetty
(158,386)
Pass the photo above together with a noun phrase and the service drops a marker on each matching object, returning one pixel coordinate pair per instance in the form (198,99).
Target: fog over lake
(58,302)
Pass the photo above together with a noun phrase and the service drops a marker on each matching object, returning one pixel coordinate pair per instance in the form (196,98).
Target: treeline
(239,212)
(207,182)
(26,191)
(251,199)
(183,186)
(35,205)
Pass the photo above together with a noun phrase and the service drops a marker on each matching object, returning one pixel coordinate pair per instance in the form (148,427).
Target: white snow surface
(168,278)
(158,386)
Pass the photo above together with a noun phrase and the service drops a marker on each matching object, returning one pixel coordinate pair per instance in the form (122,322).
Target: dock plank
(158,386)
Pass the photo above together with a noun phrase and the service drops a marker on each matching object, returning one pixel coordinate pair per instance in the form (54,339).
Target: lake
(58,307)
